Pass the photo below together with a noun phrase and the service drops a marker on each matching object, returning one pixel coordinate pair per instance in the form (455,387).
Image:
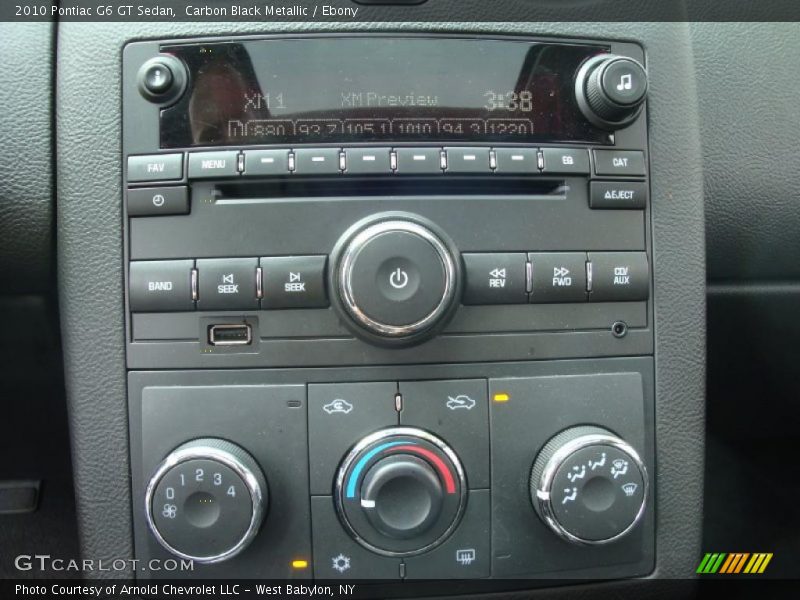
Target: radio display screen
(378,89)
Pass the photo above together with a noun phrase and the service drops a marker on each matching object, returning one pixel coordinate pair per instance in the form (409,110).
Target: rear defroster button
(396,279)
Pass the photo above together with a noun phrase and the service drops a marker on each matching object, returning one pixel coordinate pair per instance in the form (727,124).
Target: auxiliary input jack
(619,329)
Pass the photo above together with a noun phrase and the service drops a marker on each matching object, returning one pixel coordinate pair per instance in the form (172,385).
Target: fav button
(155,167)
(558,276)
(495,278)
(619,276)
(226,283)
(293,282)
(161,285)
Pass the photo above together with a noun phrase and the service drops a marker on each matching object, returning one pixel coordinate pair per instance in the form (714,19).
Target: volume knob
(611,90)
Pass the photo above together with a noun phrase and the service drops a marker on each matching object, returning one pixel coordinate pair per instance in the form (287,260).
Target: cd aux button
(619,276)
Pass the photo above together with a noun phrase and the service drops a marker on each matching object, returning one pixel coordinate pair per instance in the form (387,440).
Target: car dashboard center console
(389,307)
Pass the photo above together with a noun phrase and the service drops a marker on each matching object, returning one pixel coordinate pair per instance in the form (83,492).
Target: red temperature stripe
(449,482)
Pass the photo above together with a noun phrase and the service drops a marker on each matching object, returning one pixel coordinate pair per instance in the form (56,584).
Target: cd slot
(242,191)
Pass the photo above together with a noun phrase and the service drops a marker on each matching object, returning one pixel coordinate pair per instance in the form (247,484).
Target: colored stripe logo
(734,563)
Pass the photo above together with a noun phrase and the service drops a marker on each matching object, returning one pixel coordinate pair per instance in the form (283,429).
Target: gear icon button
(341,563)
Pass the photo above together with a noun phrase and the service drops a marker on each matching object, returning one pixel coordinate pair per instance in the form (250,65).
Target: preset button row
(548,277)
(228,284)
(458,160)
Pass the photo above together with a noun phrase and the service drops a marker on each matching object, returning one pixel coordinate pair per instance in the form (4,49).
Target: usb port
(232,334)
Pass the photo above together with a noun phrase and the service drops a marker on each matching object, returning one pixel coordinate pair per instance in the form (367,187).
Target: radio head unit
(369,89)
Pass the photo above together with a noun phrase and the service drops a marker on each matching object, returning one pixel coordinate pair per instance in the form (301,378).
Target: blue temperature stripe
(351,484)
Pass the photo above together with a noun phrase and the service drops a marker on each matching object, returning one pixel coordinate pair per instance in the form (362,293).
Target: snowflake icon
(341,563)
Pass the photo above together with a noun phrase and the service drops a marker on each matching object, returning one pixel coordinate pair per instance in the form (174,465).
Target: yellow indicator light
(299,564)
(502,397)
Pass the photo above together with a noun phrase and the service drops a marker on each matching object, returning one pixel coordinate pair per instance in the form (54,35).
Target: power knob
(396,278)
(589,486)
(611,90)
(206,500)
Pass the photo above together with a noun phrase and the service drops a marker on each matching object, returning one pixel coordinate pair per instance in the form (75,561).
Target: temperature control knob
(611,90)
(206,501)
(396,278)
(400,491)
(589,486)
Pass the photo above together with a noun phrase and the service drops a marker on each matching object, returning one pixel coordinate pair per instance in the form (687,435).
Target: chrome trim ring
(354,247)
(555,462)
(204,452)
(376,437)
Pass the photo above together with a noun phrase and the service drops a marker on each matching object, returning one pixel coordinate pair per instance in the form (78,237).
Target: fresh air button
(226,283)
(316,161)
(213,164)
(516,161)
(368,161)
(155,167)
(619,276)
(266,162)
(457,410)
(418,161)
(619,162)
(496,278)
(293,282)
(617,194)
(565,161)
(558,276)
(468,160)
(161,285)
(151,202)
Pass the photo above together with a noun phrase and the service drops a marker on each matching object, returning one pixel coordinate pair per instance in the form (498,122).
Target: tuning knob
(611,90)
(395,278)
(206,500)
(589,486)
(400,491)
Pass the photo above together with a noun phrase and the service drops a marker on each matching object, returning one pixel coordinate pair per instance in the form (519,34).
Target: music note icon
(625,83)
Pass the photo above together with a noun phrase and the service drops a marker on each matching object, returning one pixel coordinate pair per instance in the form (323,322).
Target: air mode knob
(395,278)
(206,500)
(589,486)
(611,90)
